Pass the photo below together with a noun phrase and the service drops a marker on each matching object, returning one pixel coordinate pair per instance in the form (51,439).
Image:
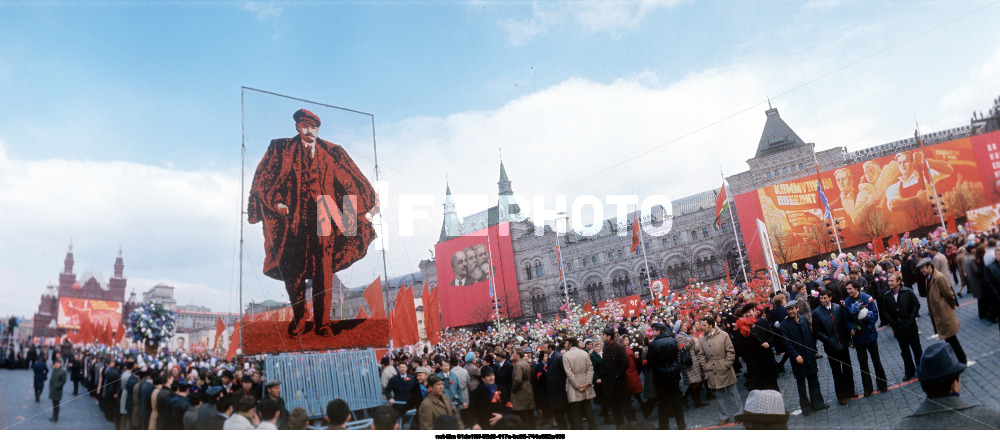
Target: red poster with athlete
(463,272)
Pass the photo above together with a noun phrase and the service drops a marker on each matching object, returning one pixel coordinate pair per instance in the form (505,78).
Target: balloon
(836,262)
(870,246)
(833,256)
(795,265)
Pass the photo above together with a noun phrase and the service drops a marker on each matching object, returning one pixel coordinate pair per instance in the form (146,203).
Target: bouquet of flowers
(151,323)
(858,311)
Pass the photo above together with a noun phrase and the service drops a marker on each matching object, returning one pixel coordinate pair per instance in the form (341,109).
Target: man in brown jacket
(942,304)
(435,404)
(715,353)
(579,385)
(522,396)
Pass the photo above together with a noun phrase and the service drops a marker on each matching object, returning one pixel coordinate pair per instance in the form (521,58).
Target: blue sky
(120,121)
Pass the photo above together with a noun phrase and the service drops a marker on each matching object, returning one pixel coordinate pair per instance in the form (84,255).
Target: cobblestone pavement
(19,411)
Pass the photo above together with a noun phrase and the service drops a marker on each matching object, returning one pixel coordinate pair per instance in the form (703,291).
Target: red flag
(120,337)
(635,233)
(589,311)
(362,314)
(432,315)
(729,280)
(720,204)
(373,295)
(893,241)
(219,328)
(403,328)
(951,224)
(234,341)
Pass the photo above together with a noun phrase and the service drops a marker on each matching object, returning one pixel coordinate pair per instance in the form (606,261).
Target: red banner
(463,269)
(631,305)
(72,310)
(272,337)
(874,199)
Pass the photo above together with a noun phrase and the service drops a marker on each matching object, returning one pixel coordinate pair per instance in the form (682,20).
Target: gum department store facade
(600,267)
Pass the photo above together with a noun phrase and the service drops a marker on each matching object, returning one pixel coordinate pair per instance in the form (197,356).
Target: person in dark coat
(504,370)
(801,346)
(177,405)
(663,361)
(400,388)
(899,309)
(146,396)
(488,402)
(555,385)
(990,288)
(778,314)
(41,372)
(163,399)
(111,391)
(758,349)
(830,328)
(208,414)
(272,391)
(597,360)
(56,387)
(76,366)
(612,378)
(32,355)
(940,377)
(539,383)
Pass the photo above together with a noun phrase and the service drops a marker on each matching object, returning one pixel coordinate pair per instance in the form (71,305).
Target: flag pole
(645,262)
(937,201)
(732,219)
(562,274)
(836,233)
(493,289)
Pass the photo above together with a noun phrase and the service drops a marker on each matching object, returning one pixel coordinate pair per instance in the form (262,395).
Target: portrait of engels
(301,182)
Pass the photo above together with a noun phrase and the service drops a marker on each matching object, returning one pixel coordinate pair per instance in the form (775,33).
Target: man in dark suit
(111,391)
(801,345)
(504,371)
(555,385)
(831,329)
(901,307)
(612,378)
(317,208)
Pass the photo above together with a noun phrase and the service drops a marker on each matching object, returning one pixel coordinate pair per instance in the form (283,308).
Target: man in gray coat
(939,373)
(56,387)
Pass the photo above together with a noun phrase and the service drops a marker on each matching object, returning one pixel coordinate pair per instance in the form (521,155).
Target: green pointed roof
(503,172)
(777,136)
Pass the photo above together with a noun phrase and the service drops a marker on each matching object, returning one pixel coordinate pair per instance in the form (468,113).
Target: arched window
(538,270)
(527,271)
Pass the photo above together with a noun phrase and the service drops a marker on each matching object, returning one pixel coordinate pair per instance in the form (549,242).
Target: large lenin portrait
(317,209)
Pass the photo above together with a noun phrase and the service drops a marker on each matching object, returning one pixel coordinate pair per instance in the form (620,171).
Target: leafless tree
(918,213)
(782,245)
(817,239)
(874,225)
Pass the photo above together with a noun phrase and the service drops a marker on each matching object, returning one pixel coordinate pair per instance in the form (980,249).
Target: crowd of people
(682,350)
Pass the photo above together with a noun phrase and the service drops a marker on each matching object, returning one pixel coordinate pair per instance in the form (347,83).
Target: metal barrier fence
(311,381)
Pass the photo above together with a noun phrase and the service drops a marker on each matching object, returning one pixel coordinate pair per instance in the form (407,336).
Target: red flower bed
(272,336)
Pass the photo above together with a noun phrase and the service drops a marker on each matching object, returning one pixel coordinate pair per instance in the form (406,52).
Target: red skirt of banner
(272,336)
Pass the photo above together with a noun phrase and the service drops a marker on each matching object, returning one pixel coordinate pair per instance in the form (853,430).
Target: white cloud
(171,223)
(264,10)
(591,16)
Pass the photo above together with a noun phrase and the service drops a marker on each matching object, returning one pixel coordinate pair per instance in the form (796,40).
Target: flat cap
(305,116)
